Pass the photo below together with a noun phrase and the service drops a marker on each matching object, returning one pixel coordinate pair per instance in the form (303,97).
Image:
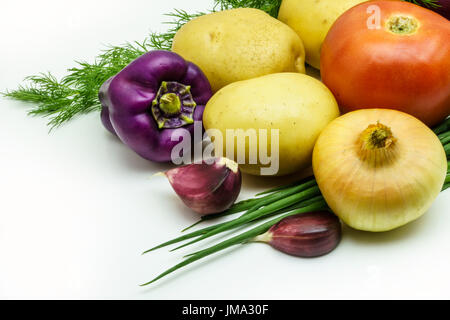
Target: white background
(77,207)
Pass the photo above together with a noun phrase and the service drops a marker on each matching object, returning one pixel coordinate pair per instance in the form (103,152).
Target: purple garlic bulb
(310,234)
(207,188)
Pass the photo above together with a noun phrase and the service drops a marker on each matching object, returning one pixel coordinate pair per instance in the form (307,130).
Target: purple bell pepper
(154,97)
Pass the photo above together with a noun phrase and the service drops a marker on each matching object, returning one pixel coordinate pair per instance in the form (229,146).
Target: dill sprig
(426,3)
(163,41)
(76,93)
(269,6)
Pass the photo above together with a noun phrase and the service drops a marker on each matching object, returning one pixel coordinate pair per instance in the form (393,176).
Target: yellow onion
(379,169)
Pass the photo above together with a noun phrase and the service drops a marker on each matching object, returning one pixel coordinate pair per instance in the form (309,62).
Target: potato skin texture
(312,19)
(406,72)
(239,44)
(298,105)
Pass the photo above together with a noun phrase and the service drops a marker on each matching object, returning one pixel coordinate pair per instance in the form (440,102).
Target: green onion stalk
(277,203)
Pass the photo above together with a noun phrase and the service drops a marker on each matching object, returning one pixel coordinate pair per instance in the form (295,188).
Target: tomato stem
(402,25)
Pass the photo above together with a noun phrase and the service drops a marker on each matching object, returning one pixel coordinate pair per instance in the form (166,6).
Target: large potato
(298,105)
(312,19)
(239,44)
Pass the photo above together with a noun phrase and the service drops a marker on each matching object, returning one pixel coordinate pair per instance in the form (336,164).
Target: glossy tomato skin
(376,68)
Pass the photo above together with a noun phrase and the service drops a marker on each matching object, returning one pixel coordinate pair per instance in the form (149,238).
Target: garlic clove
(310,234)
(207,188)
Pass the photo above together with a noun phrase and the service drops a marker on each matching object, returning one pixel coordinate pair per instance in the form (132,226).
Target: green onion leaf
(243,237)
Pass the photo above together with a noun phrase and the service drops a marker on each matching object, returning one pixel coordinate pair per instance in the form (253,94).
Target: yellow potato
(312,19)
(298,105)
(239,44)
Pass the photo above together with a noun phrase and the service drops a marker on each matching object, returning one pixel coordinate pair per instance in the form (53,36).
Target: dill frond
(269,6)
(426,3)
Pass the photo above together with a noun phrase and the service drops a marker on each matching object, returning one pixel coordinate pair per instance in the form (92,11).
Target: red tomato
(397,59)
